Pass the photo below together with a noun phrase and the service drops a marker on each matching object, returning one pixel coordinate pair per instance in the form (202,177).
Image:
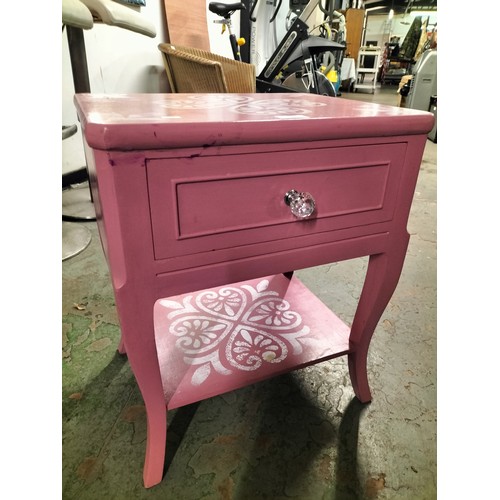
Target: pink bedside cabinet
(194,196)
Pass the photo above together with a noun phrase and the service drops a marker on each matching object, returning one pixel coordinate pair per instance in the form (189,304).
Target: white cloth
(348,69)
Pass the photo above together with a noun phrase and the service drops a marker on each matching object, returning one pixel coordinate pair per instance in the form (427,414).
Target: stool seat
(75,13)
(123,16)
(83,13)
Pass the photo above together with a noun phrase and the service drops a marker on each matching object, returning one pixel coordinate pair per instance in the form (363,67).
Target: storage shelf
(375,54)
(221,339)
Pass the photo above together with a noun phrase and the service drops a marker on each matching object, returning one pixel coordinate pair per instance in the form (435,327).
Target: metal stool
(75,237)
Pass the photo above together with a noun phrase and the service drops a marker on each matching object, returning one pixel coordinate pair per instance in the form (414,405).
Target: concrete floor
(303,435)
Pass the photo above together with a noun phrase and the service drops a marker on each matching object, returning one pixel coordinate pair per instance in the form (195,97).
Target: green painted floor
(302,435)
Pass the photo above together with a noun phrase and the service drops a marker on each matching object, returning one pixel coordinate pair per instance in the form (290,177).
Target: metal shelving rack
(362,70)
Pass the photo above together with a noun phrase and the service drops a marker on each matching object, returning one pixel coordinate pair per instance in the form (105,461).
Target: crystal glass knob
(302,205)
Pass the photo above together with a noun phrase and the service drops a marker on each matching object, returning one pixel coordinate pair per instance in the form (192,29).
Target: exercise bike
(225,11)
(295,65)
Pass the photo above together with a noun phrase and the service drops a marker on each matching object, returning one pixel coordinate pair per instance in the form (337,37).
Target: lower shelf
(221,339)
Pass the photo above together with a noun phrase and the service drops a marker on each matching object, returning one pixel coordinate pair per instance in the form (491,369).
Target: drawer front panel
(204,204)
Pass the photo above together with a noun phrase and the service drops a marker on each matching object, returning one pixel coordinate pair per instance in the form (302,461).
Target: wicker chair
(191,70)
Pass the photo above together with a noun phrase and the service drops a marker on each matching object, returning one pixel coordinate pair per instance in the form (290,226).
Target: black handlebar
(276,11)
(253,19)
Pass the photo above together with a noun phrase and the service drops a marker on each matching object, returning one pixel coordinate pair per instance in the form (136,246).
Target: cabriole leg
(382,277)
(137,324)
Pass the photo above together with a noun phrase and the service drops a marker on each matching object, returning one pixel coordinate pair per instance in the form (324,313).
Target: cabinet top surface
(159,121)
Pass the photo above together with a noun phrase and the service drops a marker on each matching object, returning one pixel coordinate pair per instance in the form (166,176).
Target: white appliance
(423,84)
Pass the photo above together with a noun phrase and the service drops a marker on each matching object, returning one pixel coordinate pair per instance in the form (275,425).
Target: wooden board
(187,23)
(354,23)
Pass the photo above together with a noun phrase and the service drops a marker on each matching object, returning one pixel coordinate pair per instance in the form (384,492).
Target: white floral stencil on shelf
(247,326)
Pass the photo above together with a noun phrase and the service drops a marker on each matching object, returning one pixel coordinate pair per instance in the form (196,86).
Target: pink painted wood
(189,196)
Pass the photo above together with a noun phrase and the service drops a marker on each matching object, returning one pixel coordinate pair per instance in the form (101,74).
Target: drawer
(205,204)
